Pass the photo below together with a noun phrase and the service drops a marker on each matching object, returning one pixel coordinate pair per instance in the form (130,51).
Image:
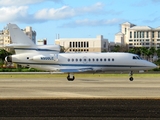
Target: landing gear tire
(70,79)
(131,74)
(131,78)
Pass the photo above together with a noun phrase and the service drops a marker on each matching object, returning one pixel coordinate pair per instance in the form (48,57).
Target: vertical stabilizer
(18,37)
(19,40)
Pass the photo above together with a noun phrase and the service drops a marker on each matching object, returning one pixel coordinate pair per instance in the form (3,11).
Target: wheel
(70,79)
(131,78)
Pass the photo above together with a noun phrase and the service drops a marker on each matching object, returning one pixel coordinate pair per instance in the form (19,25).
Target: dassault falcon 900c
(49,58)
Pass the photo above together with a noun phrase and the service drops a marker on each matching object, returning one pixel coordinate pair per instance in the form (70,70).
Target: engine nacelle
(8,58)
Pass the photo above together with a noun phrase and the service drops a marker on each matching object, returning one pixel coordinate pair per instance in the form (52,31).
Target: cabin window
(108,59)
(101,59)
(104,59)
(27,57)
(72,59)
(80,60)
(68,60)
(93,59)
(84,59)
(76,59)
(89,59)
(112,59)
(97,59)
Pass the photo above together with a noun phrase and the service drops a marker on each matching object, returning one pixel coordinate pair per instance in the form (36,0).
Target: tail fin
(18,37)
(20,41)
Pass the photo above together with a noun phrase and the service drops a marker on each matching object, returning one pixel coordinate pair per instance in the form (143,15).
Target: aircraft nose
(152,65)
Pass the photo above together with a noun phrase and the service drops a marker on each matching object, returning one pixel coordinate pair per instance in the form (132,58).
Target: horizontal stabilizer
(16,45)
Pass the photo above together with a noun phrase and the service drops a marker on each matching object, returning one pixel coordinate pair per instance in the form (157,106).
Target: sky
(78,18)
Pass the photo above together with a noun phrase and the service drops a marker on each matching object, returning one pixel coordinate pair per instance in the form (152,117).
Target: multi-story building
(6,39)
(138,36)
(30,33)
(98,44)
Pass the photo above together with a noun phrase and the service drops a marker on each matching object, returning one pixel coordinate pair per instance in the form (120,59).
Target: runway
(84,98)
(51,88)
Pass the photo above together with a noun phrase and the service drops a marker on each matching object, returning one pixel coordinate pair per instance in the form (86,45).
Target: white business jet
(49,58)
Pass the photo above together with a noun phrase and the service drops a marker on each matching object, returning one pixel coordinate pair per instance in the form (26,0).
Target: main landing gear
(131,74)
(70,77)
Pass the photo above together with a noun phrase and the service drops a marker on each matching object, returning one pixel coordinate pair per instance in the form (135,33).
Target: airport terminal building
(98,44)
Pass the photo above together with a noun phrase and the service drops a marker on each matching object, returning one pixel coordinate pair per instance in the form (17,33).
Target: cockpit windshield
(137,58)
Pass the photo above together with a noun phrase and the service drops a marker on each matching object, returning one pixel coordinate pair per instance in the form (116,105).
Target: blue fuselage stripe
(81,65)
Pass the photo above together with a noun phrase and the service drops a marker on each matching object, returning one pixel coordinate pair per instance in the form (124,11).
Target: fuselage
(97,62)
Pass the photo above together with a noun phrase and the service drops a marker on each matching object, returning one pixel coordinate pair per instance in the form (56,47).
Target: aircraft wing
(76,70)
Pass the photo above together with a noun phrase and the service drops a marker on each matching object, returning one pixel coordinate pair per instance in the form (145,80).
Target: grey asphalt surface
(84,98)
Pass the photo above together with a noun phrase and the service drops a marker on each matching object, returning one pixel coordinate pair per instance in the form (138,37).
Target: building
(138,36)
(42,42)
(30,33)
(6,39)
(98,44)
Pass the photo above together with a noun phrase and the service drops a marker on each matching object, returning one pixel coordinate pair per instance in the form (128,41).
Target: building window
(138,34)
(81,44)
(87,44)
(153,34)
(147,34)
(130,44)
(142,34)
(84,44)
(134,34)
(125,30)
(76,44)
(158,34)
(70,44)
(130,34)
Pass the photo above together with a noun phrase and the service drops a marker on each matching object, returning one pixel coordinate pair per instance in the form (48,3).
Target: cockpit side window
(137,58)
(134,57)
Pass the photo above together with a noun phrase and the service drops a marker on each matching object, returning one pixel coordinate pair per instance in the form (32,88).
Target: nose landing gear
(131,76)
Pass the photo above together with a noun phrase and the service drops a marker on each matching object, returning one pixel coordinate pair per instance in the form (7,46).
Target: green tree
(3,54)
